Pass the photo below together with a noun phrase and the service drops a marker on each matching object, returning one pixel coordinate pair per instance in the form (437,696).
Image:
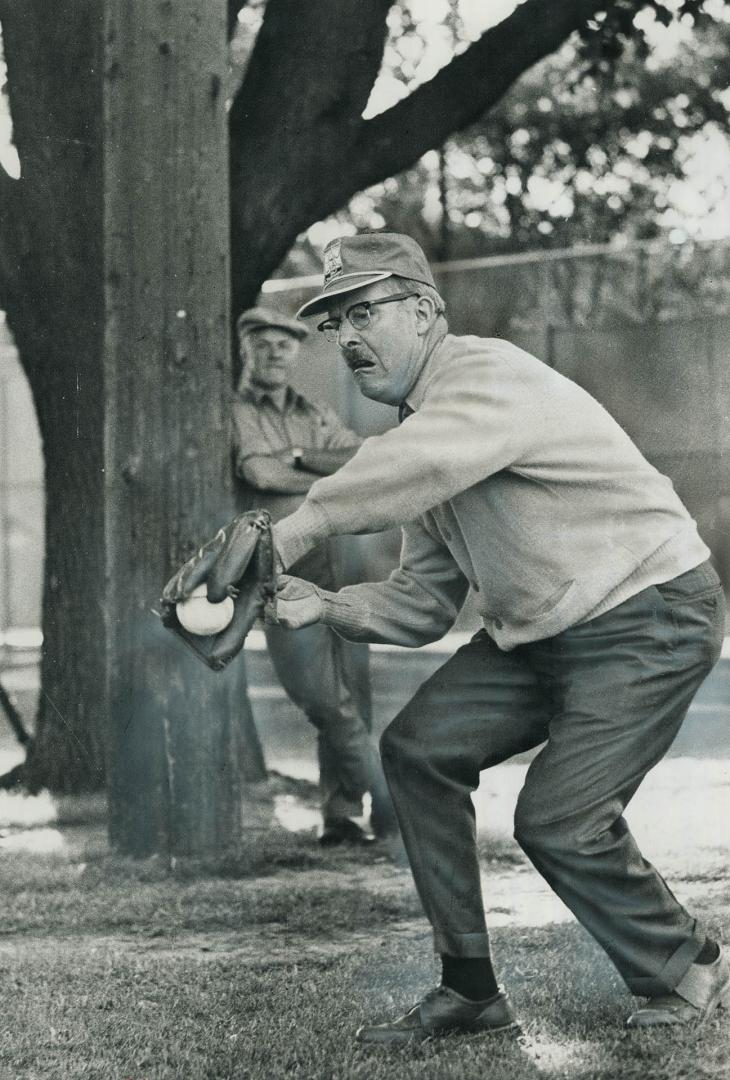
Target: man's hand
(277,473)
(297,603)
(238,562)
(323,462)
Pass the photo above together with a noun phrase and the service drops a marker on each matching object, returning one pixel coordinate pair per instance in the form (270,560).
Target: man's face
(385,356)
(271,353)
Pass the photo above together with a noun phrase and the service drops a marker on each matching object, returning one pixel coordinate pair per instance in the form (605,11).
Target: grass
(116,970)
(98,1011)
(50,895)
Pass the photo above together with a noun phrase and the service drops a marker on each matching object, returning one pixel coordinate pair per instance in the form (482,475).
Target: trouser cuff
(673,971)
(464,945)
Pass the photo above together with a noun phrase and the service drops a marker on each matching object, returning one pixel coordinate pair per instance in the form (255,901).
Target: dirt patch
(262,946)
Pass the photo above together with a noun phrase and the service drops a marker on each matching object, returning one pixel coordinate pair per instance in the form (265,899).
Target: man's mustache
(356,358)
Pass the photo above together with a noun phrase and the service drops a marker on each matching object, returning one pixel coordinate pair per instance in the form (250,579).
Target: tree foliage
(592,142)
(583,155)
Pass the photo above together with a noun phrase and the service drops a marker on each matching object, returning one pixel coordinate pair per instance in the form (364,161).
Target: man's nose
(347,335)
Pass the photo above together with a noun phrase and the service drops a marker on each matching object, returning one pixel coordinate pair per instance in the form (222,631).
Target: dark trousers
(607,698)
(328,678)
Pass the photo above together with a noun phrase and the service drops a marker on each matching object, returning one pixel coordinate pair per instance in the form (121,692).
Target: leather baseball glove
(238,562)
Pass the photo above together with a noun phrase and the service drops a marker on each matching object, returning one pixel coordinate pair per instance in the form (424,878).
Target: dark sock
(472,977)
(708,953)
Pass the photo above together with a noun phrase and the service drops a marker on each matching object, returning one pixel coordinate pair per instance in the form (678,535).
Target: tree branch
(294,119)
(312,66)
(305,89)
(463,90)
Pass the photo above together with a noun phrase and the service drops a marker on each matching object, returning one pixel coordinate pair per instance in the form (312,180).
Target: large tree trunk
(68,752)
(52,263)
(52,288)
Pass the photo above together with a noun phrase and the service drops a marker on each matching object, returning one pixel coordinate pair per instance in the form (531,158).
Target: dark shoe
(344,831)
(694,999)
(443,1011)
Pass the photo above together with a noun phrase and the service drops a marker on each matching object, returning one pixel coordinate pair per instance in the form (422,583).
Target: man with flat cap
(283,443)
(601,617)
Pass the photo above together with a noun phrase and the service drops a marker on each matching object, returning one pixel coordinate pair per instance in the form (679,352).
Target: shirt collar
(433,363)
(282,400)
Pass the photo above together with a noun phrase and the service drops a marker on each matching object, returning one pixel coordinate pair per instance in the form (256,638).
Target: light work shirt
(265,424)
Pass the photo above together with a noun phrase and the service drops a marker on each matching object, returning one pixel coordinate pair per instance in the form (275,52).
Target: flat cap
(351,262)
(261,318)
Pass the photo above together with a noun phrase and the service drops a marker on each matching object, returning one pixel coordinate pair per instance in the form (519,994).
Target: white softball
(199,616)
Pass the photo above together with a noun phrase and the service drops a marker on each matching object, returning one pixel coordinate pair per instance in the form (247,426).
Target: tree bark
(293,125)
(175,750)
(51,288)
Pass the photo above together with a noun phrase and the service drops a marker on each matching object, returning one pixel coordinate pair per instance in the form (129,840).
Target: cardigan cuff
(296,535)
(347,618)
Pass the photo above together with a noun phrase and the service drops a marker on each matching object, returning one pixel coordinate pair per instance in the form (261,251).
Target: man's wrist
(326,599)
(296,535)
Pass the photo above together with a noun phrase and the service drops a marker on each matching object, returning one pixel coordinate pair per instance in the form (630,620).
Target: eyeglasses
(358,315)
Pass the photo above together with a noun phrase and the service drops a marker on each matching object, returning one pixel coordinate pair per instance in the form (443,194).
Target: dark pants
(328,678)
(609,696)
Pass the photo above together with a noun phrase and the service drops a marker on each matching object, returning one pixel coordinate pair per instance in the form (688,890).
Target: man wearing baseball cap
(283,442)
(601,617)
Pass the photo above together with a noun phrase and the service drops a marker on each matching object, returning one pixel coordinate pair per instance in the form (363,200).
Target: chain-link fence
(596,287)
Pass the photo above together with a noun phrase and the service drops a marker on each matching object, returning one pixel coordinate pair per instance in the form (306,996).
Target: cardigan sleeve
(418,603)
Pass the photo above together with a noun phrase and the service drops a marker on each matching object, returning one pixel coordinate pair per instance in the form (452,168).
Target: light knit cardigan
(508,478)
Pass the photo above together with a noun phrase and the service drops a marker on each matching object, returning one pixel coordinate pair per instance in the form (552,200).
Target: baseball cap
(261,318)
(351,262)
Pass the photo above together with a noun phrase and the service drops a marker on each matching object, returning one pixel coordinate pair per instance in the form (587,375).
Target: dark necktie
(404,411)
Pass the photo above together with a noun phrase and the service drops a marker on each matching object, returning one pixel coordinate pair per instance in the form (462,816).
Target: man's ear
(425,314)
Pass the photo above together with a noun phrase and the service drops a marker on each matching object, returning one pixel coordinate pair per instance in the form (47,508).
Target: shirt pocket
(696,584)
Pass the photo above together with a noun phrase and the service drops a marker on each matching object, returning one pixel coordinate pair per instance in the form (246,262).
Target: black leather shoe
(441,1012)
(344,831)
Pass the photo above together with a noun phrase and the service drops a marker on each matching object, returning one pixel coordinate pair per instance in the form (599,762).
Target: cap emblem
(332,261)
